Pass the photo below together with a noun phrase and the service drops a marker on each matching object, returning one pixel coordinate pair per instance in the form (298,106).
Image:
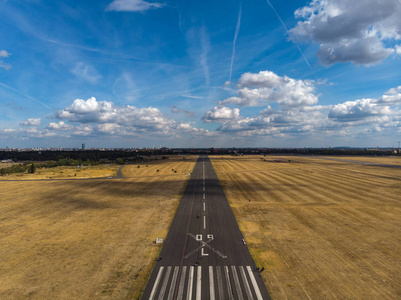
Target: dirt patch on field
(322,229)
(84,239)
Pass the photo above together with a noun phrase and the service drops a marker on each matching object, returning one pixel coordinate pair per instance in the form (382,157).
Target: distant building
(83,146)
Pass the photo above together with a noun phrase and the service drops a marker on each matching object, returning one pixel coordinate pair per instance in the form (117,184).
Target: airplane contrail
(235,40)
(25,95)
(287,31)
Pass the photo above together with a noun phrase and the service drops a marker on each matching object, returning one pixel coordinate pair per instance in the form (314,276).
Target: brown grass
(64,172)
(389,160)
(322,229)
(84,239)
(6,165)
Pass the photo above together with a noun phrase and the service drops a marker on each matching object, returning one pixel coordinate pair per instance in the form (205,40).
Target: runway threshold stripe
(237,285)
(254,283)
(164,286)
(220,282)
(159,274)
(190,282)
(211,283)
(199,284)
(246,284)
(172,285)
(182,281)
(229,290)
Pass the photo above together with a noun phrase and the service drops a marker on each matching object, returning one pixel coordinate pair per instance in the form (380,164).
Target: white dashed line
(204,206)
(204,222)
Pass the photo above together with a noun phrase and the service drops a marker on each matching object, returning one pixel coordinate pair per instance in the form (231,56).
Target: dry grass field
(86,239)
(6,165)
(158,168)
(389,160)
(64,172)
(322,229)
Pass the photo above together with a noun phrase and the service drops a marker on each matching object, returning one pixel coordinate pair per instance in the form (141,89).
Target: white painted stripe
(246,284)
(237,285)
(164,286)
(204,206)
(190,282)
(230,292)
(182,281)
(211,283)
(254,283)
(199,283)
(220,283)
(159,274)
(203,196)
(204,222)
(172,285)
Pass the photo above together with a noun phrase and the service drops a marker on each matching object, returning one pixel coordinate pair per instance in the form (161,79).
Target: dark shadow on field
(99,194)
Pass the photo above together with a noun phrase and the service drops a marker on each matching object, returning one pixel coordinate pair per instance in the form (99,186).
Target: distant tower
(83,146)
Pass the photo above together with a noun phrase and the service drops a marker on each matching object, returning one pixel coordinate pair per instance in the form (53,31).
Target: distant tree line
(121,156)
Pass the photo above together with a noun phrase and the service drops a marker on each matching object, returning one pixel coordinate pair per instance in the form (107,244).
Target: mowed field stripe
(333,219)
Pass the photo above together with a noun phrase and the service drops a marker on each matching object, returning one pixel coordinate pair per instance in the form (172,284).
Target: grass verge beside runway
(322,229)
(89,239)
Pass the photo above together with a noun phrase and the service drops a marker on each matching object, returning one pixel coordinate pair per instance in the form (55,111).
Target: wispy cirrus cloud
(132,5)
(4,65)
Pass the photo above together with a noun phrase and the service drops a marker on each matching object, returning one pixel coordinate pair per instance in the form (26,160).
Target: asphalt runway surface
(203,256)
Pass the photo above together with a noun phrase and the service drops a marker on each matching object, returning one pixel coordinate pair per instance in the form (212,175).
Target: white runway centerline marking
(204,222)
(159,274)
(203,196)
(204,206)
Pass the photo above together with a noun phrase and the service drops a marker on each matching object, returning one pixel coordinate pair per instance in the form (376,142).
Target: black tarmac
(204,256)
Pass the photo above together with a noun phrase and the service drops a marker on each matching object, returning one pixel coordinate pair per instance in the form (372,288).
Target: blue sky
(259,73)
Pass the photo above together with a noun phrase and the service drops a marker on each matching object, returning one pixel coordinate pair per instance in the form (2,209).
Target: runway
(203,256)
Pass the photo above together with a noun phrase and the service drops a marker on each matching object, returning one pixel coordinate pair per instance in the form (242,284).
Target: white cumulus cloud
(221,113)
(354,31)
(31,122)
(357,110)
(255,89)
(4,53)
